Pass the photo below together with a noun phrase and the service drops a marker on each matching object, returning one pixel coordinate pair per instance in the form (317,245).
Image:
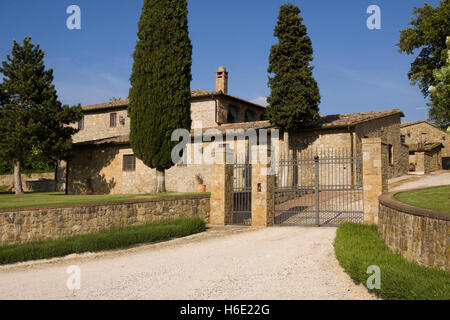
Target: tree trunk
(17,177)
(160,181)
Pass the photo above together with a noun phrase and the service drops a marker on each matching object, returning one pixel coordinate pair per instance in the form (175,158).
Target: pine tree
(294,98)
(31,117)
(160,83)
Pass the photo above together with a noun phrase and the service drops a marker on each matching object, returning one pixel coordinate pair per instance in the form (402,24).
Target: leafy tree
(440,94)
(428,30)
(295,96)
(160,83)
(32,119)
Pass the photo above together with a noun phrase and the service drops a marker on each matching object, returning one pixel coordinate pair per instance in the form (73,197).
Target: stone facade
(350,138)
(419,235)
(421,134)
(53,223)
(101,168)
(41,182)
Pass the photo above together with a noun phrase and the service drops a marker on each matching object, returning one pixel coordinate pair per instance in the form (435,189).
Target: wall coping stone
(90,205)
(388,200)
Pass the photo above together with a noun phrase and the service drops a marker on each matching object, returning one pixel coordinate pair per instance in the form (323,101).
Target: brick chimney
(222,80)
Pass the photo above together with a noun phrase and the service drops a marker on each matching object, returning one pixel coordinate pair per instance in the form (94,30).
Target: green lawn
(437,199)
(106,240)
(358,246)
(52,199)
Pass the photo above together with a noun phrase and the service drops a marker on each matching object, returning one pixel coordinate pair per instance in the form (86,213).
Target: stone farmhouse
(429,146)
(104,162)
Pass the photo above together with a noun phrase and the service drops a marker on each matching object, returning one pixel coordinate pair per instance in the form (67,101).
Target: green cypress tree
(31,117)
(294,97)
(160,95)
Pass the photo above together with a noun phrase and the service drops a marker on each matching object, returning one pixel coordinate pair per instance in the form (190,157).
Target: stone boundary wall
(25,225)
(420,235)
(8,179)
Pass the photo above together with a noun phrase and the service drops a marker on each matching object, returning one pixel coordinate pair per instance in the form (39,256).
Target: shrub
(106,240)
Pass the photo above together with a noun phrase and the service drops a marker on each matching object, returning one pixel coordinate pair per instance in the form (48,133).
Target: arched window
(249,116)
(232,115)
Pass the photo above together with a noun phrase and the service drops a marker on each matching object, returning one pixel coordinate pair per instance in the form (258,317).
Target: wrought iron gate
(319,188)
(241,212)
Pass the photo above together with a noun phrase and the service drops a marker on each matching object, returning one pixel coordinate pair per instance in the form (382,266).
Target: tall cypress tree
(31,117)
(294,97)
(160,95)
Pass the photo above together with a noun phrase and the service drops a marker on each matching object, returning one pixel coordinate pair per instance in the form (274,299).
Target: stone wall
(423,133)
(103,166)
(34,178)
(426,162)
(97,125)
(420,235)
(52,223)
(388,129)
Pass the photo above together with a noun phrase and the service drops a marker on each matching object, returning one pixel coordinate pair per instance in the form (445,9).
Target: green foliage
(160,92)
(437,199)
(33,121)
(106,240)
(58,199)
(440,93)
(358,246)
(428,30)
(294,99)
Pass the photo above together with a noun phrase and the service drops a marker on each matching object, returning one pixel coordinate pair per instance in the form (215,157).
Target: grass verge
(106,240)
(358,246)
(437,199)
(3,188)
(55,199)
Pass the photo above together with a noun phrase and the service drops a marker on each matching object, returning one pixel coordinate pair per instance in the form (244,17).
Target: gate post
(262,187)
(375,174)
(221,188)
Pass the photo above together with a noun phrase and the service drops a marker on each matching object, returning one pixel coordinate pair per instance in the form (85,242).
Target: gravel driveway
(223,263)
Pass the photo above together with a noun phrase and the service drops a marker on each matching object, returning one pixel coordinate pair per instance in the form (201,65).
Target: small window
(129,163)
(232,115)
(391,154)
(402,139)
(112,120)
(249,116)
(81,124)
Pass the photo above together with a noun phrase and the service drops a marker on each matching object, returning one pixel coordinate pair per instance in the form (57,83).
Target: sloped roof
(408,124)
(195,94)
(424,147)
(327,122)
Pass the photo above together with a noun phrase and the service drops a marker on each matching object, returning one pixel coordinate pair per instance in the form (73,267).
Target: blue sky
(357,69)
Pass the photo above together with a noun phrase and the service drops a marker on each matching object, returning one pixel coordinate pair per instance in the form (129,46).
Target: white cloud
(261,100)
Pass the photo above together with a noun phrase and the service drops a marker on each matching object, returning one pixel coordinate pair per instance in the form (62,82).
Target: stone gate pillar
(221,188)
(262,187)
(375,176)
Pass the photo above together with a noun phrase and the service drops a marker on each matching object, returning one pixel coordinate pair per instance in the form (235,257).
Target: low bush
(358,246)
(111,239)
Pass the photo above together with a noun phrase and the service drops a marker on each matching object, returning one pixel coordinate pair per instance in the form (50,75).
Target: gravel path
(434,179)
(223,263)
